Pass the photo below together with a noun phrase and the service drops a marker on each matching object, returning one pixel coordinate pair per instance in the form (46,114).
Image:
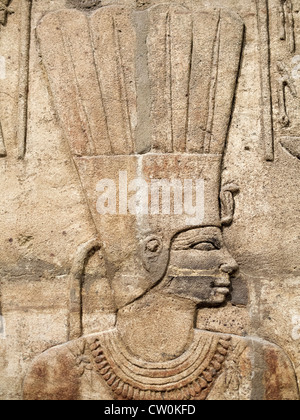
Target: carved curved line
(198,387)
(122,368)
(154,366)
(227,194)
(82,254)
(291,145)
(75,286)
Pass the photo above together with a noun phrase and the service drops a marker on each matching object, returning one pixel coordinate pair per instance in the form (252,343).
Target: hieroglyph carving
(25,32)
(285,82)
(287,68)
(151,93)
(5,11)
(25,35)
(262,10)
(287,24)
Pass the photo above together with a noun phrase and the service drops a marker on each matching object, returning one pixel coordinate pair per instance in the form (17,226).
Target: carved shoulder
(54,375)
(66,372)
(274,376)
(256,370)
(277,372)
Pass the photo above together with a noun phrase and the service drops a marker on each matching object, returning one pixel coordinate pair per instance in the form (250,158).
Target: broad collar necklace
(189,377)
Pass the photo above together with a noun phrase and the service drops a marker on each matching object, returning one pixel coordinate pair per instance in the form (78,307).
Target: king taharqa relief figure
(151,93)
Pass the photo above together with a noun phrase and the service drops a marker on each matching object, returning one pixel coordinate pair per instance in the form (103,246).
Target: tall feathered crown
(150,92)
(180,88)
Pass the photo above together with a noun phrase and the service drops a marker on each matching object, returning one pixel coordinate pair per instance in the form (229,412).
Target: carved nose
(230,267)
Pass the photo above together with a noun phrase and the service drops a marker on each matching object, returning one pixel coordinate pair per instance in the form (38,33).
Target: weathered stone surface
(149,152)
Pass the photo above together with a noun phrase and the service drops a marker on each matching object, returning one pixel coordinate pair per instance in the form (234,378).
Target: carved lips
(202,289)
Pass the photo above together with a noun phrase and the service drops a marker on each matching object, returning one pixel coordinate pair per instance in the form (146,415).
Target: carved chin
(219,295)
(200,290)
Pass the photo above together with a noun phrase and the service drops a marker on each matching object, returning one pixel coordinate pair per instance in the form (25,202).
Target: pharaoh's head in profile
(150,94)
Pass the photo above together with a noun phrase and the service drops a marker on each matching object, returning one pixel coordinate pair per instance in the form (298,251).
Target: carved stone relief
(25,35)
(84,4)
(262,10)
(161,126)
(287,85)
(24,10)
(5,11)
(287,24)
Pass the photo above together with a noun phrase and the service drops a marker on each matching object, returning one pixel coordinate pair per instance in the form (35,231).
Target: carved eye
(205,246)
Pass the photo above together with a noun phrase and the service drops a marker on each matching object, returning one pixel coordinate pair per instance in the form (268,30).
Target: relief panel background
(44,217)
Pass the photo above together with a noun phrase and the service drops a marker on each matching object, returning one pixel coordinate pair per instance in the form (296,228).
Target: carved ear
(228,191)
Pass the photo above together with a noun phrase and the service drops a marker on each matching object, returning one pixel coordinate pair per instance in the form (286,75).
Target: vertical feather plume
(192,63)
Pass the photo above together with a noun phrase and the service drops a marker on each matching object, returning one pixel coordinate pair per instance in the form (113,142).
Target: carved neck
(157,328)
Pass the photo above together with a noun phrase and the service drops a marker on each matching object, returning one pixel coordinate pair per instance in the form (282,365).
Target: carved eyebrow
(184,243)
